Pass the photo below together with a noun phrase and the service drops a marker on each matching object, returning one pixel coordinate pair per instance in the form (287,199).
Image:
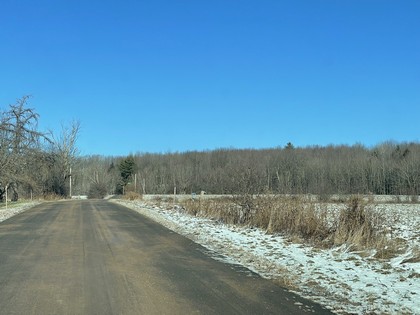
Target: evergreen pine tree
(127,168)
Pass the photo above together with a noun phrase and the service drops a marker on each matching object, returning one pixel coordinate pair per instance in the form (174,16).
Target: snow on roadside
(13,210)
(343,281)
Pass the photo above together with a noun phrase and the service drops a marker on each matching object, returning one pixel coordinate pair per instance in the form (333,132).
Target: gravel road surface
(96,257)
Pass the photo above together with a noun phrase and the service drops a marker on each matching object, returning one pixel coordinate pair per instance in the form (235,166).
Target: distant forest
(36,163)
(387,169)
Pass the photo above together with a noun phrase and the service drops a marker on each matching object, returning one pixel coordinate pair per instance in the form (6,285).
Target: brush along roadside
(356,224)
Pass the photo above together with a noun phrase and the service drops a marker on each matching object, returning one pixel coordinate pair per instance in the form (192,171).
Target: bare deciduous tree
(19,144)
(63,153)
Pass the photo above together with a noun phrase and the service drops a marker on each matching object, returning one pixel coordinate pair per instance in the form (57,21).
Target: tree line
(388,168)
(34,162)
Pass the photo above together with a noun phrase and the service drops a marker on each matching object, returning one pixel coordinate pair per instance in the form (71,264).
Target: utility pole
(173,205)
(7,187)
(70,183)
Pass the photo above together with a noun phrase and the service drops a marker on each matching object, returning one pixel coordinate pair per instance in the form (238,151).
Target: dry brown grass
(131,195)
(52,197)
(357,225)
(289,215)
(416,255)
(220,209)
(297,217)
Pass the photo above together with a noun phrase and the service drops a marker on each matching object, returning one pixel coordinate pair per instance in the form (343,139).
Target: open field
(372,281)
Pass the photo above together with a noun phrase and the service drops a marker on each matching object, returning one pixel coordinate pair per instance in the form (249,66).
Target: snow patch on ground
(15,209)
(343,281)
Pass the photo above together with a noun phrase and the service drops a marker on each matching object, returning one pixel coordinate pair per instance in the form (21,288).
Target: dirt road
(95,257)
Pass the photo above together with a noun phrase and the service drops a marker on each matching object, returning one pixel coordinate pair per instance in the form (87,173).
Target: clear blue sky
(166,75)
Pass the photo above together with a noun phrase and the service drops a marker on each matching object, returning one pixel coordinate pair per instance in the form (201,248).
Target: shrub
(97,191)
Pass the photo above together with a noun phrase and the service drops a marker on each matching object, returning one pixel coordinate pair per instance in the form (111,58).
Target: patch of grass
(131,195)
(356,224)
(52,197)
(219,209)
(296,217)
(415,258)
(390,248)
(285,279)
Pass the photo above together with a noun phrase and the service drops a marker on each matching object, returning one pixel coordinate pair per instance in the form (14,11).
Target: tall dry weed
(357,225)
(297,217)
(219,209)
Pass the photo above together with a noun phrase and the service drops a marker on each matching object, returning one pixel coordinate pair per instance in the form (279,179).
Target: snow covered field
(345,282)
